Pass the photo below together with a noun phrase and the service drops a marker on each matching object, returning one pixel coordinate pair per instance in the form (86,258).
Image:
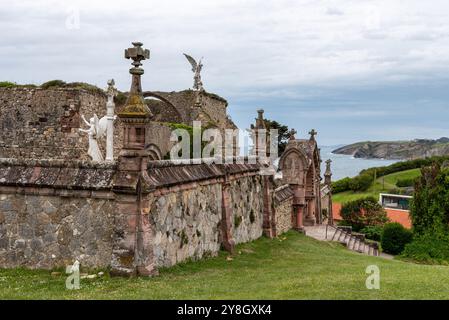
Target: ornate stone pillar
(298,207)
(110,116)
(132,250)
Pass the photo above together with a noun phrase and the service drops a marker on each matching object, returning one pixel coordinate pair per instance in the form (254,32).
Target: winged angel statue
(196,68)
(97,129)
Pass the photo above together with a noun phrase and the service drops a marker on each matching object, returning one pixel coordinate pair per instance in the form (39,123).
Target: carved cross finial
(292,133)
(137,54)
(313,133)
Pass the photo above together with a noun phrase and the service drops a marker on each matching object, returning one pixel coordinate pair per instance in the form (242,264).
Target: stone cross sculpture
(292,134)
(196,68)
(98,128)
(313,133)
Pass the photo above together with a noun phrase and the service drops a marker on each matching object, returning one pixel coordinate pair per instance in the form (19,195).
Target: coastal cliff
(396,150)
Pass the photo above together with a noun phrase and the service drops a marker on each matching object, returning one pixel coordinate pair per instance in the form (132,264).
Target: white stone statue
(94,128)
(98,128)
(196,68)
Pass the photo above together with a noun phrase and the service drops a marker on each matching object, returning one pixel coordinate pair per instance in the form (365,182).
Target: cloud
(276,54)
(334,12)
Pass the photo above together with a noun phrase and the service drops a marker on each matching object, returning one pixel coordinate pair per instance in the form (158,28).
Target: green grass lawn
(382,184)
(296,267)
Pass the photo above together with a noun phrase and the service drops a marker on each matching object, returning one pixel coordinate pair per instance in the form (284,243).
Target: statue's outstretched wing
(192,62)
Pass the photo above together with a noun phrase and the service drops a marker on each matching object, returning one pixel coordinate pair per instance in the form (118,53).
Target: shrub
(52,83)
(361,182)
(341,185)
(372,232)
(395,237)
(428,248)
(363,212)
(429,208)
(7,84)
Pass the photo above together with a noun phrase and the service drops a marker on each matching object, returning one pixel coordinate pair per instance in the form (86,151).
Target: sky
(351,69)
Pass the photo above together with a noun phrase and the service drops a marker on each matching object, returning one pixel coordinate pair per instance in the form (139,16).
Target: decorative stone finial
(260,122)
(135,105)
(328,173)
(135,115)
(328,166)
(292,134)
(313,133)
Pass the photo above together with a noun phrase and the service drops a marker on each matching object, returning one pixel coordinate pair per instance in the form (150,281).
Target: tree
(429,208)
(283,134)
(363,212)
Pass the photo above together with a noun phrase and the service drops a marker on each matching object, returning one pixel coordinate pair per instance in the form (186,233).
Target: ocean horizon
(348,166)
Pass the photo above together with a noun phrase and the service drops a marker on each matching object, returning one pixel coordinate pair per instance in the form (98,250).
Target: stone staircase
(352,241)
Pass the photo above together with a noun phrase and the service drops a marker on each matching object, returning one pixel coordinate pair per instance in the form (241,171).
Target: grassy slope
(295,268)
(382,184)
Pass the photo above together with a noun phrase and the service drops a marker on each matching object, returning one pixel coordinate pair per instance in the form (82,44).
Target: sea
(348,166)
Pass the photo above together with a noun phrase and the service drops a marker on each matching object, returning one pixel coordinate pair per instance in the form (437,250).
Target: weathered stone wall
(38,231)
(54,212)
(247,208)
(186,208)
(283,209)
(213,110)
(186,224)
(284,216)
(43,123)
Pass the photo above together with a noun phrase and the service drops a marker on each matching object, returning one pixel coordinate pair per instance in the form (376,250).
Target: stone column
(110,116)
(298,207)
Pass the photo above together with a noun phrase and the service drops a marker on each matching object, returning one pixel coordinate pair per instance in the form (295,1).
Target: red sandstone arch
(154,151)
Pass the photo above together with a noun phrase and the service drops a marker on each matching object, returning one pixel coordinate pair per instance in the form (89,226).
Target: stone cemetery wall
(186,223)
(43,123)
(247,208)
(187,208)
(283,207)
(53,212)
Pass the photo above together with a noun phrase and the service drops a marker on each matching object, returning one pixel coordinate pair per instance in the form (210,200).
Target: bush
(52,83)
(7,84)
(395,237)
(361,182)
(363,212)
(341,185)
(429,208)
(372,232)
(428,248)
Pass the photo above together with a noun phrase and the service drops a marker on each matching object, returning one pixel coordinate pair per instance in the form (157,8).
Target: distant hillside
(396,150)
